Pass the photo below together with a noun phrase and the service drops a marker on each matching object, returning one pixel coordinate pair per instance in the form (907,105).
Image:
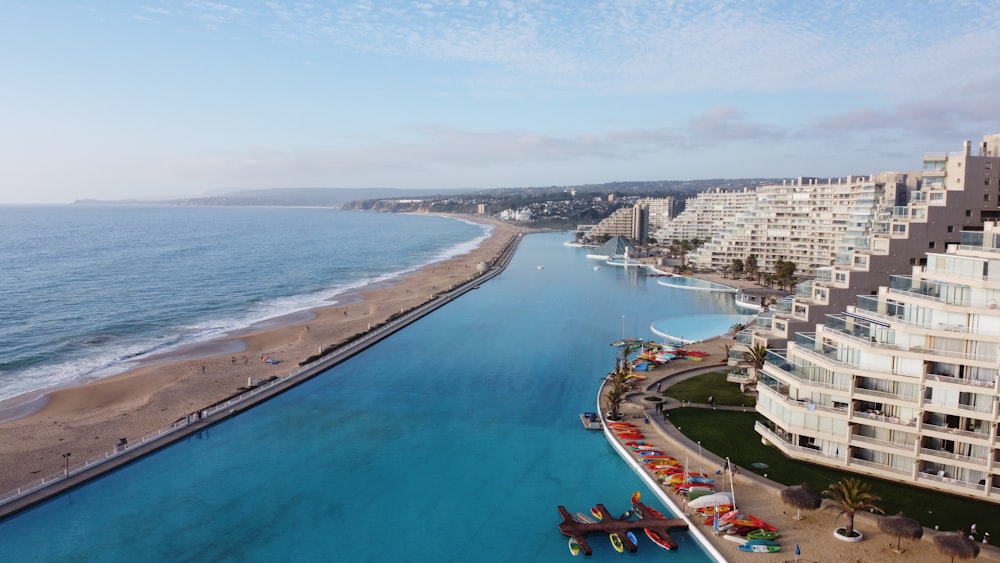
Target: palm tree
(617,387)
(754,358)
(850,495)
(618,381)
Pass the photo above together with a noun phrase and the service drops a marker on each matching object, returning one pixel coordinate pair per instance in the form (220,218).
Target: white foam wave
(107,360)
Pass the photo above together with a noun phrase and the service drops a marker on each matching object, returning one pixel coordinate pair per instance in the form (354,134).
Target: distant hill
(289,197)
(368,198)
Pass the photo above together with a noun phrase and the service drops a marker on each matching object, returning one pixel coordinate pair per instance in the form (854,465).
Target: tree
(737,267)
(618,382)
(754,358)
(785,273)
(850,495)
(751,266)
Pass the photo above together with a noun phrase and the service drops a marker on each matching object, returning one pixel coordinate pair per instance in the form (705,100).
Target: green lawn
(699,389)
(727,433)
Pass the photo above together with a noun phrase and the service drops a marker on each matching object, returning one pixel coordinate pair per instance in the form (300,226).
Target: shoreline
(87,420)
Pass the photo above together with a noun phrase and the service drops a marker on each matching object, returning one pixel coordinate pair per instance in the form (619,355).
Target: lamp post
(66,459)
(700,459)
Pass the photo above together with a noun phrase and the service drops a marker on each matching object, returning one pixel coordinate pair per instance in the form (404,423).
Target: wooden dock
(609,524)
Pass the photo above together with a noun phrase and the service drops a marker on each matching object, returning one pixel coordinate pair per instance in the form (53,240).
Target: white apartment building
(900,382)
(953,192)
(807,221)
(706,213)
(636,222)
(903,385)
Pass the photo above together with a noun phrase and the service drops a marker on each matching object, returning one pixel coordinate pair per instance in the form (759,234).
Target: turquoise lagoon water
(453,440)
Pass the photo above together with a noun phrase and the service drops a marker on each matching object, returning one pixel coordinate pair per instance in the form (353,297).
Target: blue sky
(110,99)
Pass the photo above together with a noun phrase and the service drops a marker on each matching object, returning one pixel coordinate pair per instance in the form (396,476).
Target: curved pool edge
(646,478)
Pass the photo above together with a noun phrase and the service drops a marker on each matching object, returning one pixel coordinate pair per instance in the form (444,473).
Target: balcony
(937,292)
(921,476)
(974,408)
(813,377)
(961,381)
(878,466)
(911,397)
(949,432)
(885,444)
(806,344)
(786,446)
(878,416)
(940,454)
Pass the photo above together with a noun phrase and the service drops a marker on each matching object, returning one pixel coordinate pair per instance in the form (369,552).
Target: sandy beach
(761,497)
(88,420)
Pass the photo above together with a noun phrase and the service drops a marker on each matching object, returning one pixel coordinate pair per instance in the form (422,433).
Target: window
(986,197)
(968,213)
(931,245)
(951,228)
(986,182)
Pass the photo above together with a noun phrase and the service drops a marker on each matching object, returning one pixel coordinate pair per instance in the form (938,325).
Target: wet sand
(88,420)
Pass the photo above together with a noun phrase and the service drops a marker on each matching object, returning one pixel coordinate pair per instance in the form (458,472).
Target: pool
(696,328)
(685,282)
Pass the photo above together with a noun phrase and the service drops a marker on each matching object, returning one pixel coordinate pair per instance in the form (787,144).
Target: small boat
(574,547)
(583,518)
(616,542)
(631,537)
(758,546)
(597,513)
(659,540)
(650,511)
(762,534)
(737,539)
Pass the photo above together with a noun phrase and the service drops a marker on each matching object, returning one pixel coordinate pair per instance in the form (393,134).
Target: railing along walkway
(76,474)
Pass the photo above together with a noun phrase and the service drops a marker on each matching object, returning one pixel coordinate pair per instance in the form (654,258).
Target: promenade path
(29,495)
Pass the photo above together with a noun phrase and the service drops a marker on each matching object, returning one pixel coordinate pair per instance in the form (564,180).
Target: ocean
(452,440)
(88,290)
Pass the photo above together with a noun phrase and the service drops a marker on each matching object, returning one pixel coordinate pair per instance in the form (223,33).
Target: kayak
(616,542)
(664,542)
(762,534)
(574,547)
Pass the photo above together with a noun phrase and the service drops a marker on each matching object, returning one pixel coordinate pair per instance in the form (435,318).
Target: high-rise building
(705,214)
(897,377)
(806,221)
(953,192)
(636,221)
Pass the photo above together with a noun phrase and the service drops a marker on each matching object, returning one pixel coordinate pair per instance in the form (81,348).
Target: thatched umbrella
(956,545)
(901,527)
(801,496)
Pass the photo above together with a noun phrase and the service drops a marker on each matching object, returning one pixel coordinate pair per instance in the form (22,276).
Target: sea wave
(90,355)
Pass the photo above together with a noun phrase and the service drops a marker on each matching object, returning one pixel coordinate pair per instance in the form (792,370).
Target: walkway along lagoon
(77,474)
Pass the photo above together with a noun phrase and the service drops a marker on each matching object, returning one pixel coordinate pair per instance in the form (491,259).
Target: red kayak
(653,512)
(667,542)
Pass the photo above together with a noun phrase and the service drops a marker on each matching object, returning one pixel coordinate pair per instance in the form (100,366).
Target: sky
(153,99)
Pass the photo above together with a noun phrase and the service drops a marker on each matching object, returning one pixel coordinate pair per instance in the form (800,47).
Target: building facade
(806,221)
(897,375)
(705,213)
(635,222)
(903,385)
